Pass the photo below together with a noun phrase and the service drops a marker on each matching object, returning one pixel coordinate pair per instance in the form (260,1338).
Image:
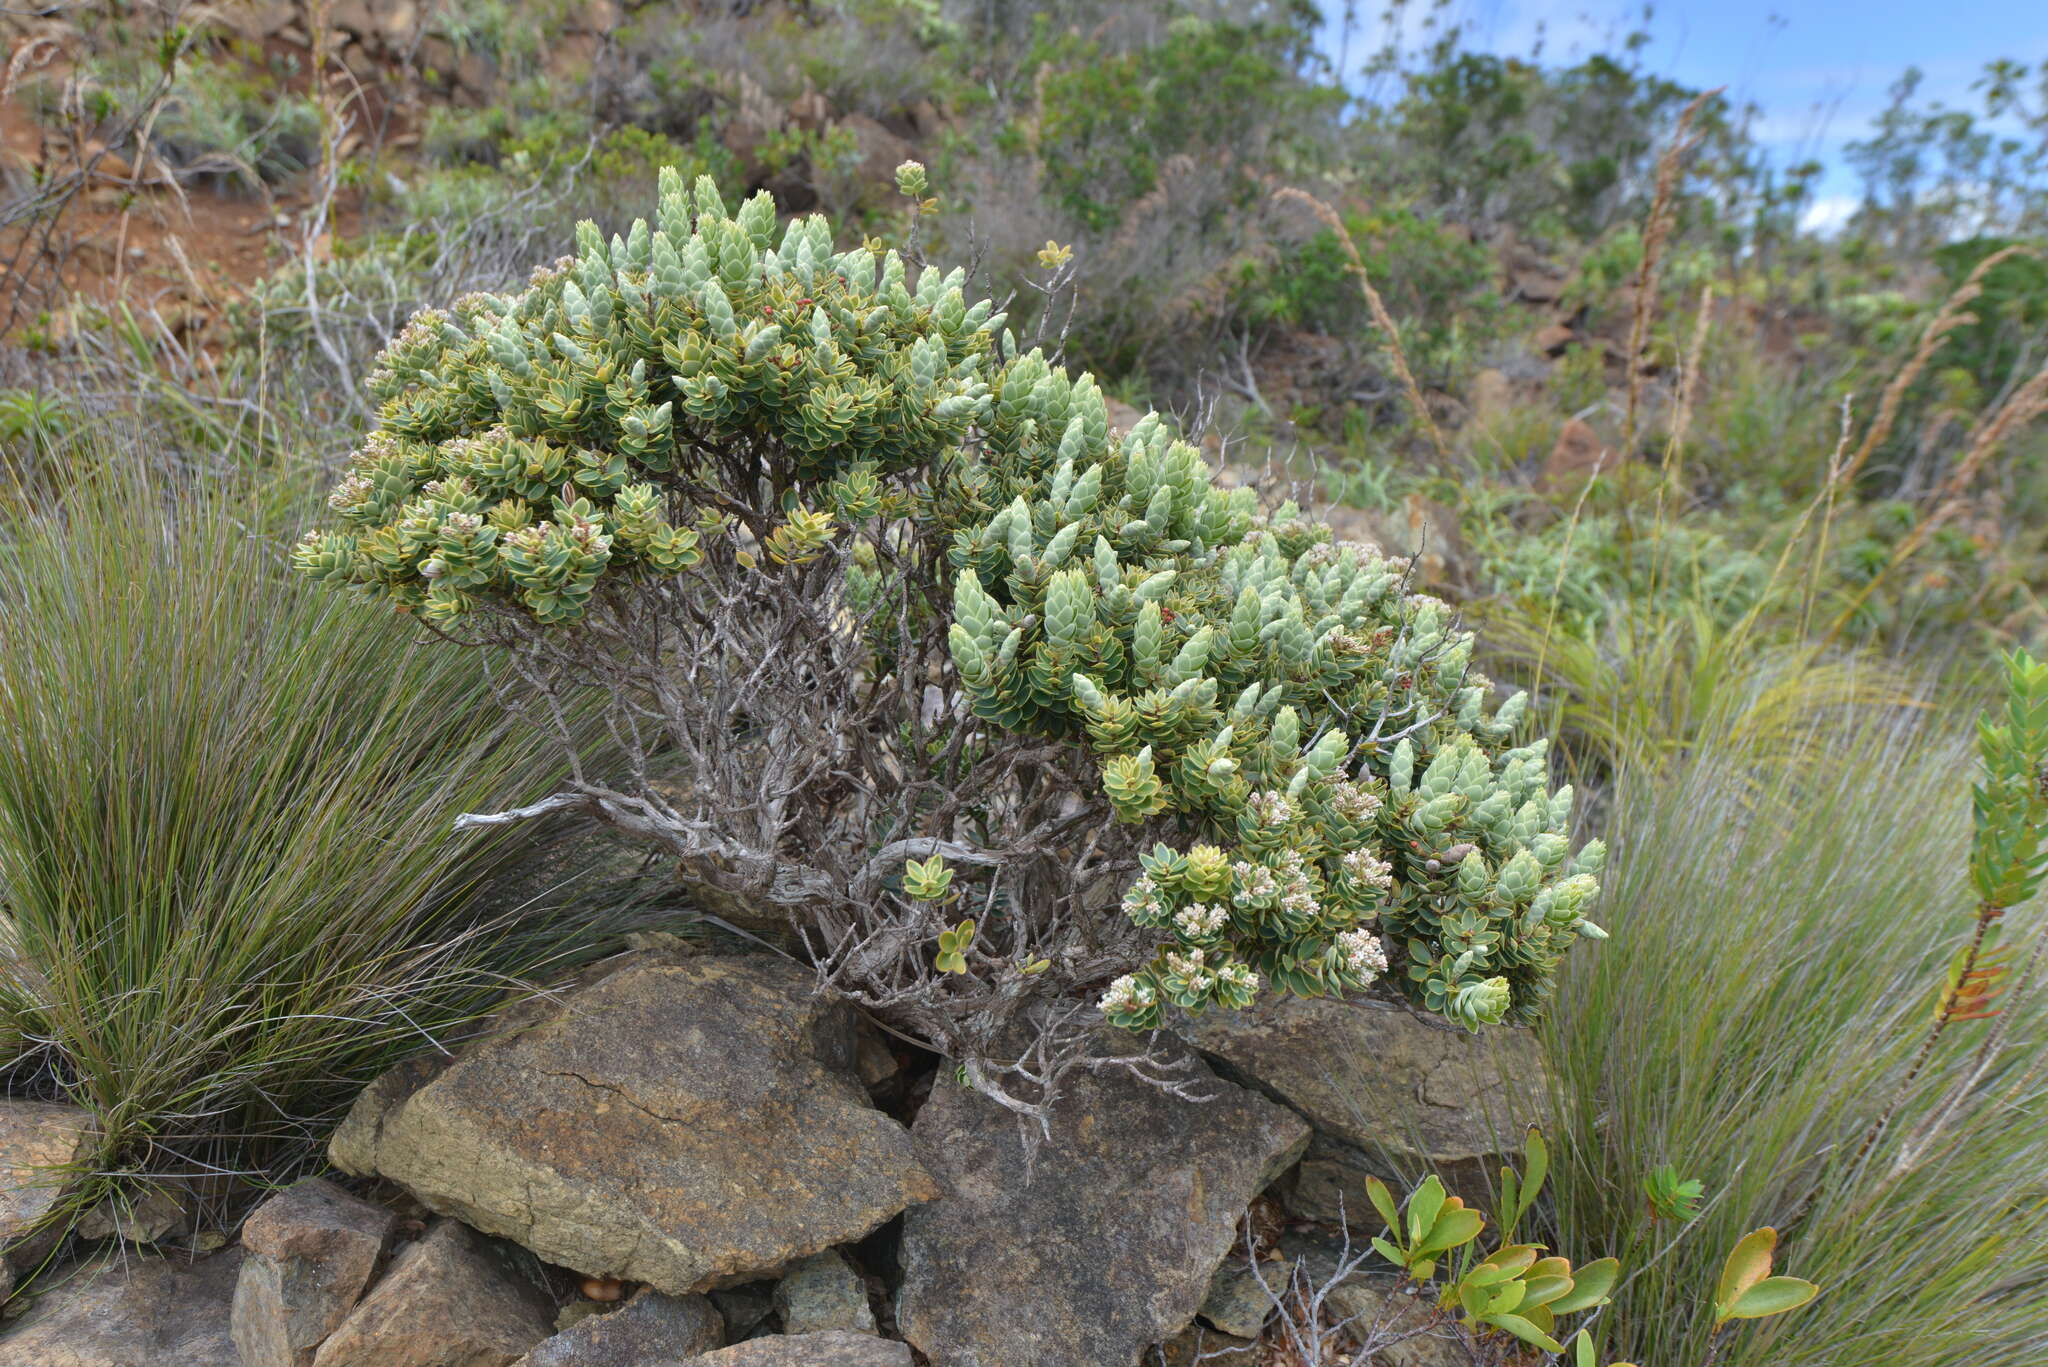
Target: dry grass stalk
(1378,308)
(1954,314)
(2028,403)
(1656,232)
(1688,391)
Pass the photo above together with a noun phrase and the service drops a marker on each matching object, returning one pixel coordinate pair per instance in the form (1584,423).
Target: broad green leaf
(1546,1290)
(1772,1296)
(1383,1202)
(1538,1170)
(1423,1205)
(1453,1229)
(1527,1333)
(1389,1252)
(1590,1285)
(1749,1262)
(1582,1351)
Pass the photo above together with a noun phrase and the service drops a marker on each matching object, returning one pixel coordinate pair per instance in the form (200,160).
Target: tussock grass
(229,889)
(1780,934)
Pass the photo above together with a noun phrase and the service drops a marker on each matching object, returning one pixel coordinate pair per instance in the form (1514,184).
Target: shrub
(867,588)
(229,896)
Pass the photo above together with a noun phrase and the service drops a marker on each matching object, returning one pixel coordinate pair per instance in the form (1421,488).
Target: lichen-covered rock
(824,1292)
(131,1311)
(1241,1298)
(1106,1245)
(687,1123)
(454,1299)
(144,1217)
(1390,1092)
(1200,1346)
(837,1348)
(311,1252)
(38,1141)
(650,1328)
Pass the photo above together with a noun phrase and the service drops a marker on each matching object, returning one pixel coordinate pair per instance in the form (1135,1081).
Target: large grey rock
(824,1292)
(132,1311)
(1106,1246)
(451,1300)
(312,1250)
(648,1329)
(1391,1093)
(837,1348)
(39,1143)
(688,1123)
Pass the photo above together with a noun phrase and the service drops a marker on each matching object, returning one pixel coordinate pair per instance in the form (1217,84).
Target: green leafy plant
(1517,1291)
(1670,1196)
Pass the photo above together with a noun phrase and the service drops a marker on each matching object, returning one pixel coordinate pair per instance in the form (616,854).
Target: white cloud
(1829,214)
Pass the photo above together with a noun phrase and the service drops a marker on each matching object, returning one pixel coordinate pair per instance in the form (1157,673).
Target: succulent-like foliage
(891,619)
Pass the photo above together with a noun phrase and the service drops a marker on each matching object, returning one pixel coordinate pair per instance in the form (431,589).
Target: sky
(1818,69)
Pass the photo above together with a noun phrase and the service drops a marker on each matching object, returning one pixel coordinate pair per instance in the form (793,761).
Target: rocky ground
(688,1157)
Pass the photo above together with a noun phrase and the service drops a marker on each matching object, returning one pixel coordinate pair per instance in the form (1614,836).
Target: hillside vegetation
(1753,512)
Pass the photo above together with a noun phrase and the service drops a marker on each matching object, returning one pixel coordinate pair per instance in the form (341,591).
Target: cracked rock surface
(1105,1244)
(1390,1093)
(685,1122)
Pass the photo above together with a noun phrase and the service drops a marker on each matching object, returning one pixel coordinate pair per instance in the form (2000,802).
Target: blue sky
(1818,69)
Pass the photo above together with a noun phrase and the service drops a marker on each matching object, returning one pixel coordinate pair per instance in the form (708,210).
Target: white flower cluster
(1364,955)
(1364,867)
(1143,904)
(1354,803)
(1272,810)
(1200,920)
(1126,995)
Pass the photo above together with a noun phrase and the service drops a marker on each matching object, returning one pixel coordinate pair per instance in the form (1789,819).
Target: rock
(1198,1346)
(1389,1092)
(312,1250)
(1492,394)
(688,1123)
(746,1308)
(353,1146)
(880,153)
(39,1140)
(1239,1302)
(1575,457)
(144,1220)
(1107,1245)
(132,1311)
(824,1292)
(835,1349)
(1368,1301)
(1538,285)
(1369,1304)
(1552,340)
(450,1300)
(647,1329)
